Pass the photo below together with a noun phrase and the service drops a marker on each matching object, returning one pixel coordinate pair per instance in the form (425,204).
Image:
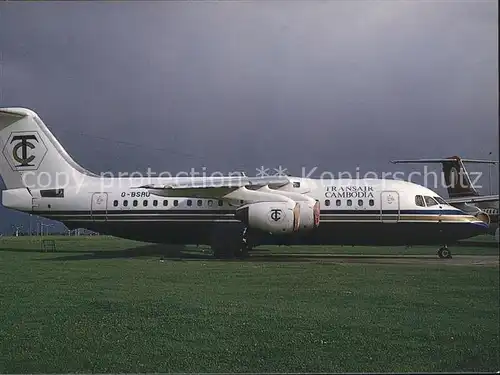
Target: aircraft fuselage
(353,212)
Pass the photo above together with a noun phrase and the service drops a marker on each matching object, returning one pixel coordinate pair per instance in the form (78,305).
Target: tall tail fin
(31,156)
(457,178)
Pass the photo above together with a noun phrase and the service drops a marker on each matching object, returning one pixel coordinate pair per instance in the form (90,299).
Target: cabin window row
(175,203)
(338,202)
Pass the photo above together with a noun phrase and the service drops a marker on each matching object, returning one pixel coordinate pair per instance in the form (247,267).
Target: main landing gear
(444,252)
(231,252)
(230,244)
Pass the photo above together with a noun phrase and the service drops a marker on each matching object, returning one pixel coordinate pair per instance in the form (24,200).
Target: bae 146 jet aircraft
(231,214)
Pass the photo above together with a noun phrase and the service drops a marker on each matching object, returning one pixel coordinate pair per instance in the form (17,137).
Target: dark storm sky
(236,85)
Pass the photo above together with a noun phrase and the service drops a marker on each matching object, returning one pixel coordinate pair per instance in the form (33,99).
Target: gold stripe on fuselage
(402,218)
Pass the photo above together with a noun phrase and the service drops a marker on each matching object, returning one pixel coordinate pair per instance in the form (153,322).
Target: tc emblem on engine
(24,150)
(275,214)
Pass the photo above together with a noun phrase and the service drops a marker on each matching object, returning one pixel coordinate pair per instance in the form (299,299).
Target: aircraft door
(34,204)
(99,206)
(389,206)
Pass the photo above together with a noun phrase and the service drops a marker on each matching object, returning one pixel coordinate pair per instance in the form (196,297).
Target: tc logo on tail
(24,151)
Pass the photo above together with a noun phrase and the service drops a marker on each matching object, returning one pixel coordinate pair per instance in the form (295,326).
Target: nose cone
(465,226)
(481,227)
(476,227)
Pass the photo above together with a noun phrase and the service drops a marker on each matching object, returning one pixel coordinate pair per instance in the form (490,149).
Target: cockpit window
(430,201)
(440,200)
(419,201)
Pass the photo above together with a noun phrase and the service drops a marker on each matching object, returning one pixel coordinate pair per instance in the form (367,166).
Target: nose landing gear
(444,252)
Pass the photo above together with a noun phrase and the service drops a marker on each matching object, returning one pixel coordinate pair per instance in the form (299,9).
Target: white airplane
(231,214)
(461,191)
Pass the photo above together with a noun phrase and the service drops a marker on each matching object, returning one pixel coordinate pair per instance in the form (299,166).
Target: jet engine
(272,217)
(309,207)
(309,215)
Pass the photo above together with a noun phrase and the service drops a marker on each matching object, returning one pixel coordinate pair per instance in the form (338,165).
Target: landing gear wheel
(223,253)
(229,244)
(239,254)
(243,252)
(244,246)
(444,253)
(231,253)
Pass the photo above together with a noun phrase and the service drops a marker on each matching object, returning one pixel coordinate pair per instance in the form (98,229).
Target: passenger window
(371,202)
(360,202)
(199,203)
(419,201)
(125,203)
(155,203)
(115,203)
(430,201)
(135,203)
(338,202)
(220,203)
(176,202)
(349,202)
(165,202)
(189,202)
(210,203)
(144,203)
(327,202)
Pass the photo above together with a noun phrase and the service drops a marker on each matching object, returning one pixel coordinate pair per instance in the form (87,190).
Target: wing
(213,187)
(473,199)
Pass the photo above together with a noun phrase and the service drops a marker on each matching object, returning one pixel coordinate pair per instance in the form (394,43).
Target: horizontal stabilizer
(444,160)
(473,199)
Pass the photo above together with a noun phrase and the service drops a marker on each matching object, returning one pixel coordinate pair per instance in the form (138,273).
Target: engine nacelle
(484,217)
(309,215)
(309,207)
(271,217)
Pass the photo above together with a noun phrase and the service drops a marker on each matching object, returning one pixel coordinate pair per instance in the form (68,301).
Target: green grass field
(100,304)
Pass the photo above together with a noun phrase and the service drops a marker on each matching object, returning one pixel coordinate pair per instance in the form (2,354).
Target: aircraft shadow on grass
(477,244)
(180,253)
(158,250)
